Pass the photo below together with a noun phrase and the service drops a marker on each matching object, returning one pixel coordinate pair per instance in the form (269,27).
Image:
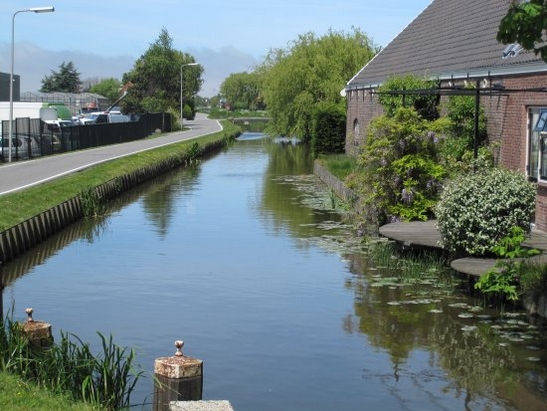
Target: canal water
(244,258)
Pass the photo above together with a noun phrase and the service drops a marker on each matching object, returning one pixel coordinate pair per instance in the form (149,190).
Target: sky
(105,38)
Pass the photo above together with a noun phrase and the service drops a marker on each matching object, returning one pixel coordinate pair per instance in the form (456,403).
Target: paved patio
(425,234)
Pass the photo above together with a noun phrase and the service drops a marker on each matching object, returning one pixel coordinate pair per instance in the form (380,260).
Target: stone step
(221,405)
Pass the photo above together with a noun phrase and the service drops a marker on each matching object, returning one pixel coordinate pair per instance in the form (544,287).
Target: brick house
(454,41)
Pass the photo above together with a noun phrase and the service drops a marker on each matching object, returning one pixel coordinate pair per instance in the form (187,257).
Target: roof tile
(449,36)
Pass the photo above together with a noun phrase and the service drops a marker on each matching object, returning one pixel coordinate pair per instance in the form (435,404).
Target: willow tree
(310,71)
(242,91)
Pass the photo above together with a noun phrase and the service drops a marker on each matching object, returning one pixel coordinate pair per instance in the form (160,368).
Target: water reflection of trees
(160,196)
(475,364)
(89,229)
(291,196)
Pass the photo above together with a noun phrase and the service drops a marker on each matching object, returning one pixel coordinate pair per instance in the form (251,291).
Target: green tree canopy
(109,88)
(156,78)
(67,79)
(310,71)
(525,23)
(425,104)
(243,90)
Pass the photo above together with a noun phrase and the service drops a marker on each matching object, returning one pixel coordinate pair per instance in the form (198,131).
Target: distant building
(78,103)
(4,87)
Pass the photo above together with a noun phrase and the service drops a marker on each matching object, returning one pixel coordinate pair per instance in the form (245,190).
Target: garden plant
(105,380)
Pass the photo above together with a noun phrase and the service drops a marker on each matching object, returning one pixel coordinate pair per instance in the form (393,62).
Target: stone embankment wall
(21,238)
(341,191)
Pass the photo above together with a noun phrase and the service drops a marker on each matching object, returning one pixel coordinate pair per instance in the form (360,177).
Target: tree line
(156,81)
(293,84)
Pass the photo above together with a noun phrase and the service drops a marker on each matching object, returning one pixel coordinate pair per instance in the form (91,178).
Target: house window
(356,132)
(537,143)
(541,122)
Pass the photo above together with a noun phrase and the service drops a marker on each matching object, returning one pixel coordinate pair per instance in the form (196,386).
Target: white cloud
(33,63)
(219,64)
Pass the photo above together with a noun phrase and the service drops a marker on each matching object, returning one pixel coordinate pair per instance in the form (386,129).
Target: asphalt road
(23,174)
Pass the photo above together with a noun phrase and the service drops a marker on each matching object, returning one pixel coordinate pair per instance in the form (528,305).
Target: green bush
(478,209)
(105,380)
(329,129)
(399,170)
(424,103)
(461,112)
(458,148)
(175,118)
(189,110)
(503,279)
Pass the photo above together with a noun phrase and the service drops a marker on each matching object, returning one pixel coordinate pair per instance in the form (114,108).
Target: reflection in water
(90,229)
(244,258)
(488,358)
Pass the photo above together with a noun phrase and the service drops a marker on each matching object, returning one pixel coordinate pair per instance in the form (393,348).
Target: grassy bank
(19,206)
(18,395)
(339,165)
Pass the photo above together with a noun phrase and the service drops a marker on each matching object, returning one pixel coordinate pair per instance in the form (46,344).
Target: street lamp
(184,65)
(47,9)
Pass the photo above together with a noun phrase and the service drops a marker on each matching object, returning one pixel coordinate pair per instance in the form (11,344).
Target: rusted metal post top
(29,312)
(38,332)
(178,366)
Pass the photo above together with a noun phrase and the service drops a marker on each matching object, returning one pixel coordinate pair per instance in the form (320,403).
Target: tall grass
(92,203)
(410,266)
(533,278)
(105,380)
(382,254)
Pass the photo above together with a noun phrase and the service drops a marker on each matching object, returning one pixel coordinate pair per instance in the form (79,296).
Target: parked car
(90,118)
(55,126)
(22,146)
(101,117)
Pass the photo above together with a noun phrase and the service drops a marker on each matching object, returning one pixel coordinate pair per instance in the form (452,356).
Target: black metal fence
(34,138)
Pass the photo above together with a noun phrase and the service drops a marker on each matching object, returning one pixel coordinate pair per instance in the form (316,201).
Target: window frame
(536,168)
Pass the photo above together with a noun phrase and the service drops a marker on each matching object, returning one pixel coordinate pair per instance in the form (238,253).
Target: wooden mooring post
(38,332)
(177,378)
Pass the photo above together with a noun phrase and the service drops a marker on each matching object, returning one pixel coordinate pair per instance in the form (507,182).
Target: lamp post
(47,9)
(181,67)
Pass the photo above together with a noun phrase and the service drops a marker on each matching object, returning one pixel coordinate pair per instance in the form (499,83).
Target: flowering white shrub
(478,209)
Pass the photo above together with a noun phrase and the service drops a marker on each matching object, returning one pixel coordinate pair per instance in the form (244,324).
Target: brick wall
(363,106)
(508,118)
(508,123)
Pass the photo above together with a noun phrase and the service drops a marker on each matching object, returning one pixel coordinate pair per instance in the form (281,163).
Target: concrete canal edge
(19,239)
(338,187)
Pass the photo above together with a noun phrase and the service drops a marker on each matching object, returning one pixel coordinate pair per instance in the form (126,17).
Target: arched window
(356,127)
(356,136)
